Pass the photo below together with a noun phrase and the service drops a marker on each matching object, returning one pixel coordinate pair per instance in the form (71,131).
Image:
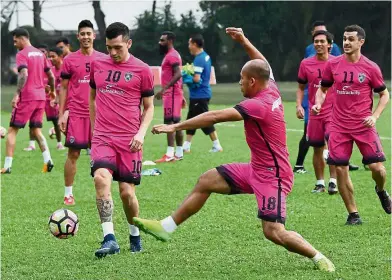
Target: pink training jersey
(265,131)
(35,62)
(171,60)
(119,92)
(57,80)
(76,68)
(310,72)
(354,86)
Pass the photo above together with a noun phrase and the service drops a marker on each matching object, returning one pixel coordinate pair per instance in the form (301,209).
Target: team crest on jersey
(128,76)
(361,77)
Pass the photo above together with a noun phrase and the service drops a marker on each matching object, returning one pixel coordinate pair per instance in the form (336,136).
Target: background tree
(37,9)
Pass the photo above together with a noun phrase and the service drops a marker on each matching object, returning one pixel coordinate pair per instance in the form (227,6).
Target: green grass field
(223,241)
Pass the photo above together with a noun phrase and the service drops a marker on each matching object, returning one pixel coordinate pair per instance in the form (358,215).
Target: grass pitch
(223,241)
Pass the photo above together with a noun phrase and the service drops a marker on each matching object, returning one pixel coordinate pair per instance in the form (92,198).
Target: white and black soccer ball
(63,223)
(3,131)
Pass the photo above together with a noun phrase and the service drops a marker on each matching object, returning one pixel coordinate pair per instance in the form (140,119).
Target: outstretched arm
(237,34)
(204,120)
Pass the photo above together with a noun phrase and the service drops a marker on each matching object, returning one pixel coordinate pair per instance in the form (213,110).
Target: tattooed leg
(104,201)
(105,209)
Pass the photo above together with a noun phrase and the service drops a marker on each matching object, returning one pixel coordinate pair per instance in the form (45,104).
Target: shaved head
(257,69)
(254,77)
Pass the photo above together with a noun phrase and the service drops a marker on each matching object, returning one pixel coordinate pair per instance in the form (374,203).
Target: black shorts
(198,107)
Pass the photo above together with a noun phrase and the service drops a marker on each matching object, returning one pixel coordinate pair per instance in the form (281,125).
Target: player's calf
(294,242)
(379,176)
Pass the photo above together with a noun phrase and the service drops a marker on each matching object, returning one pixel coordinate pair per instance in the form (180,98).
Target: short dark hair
(318,23)
(43,46)
(198,40)
(170,35)
(62,40)
(21,32)
(116,29)
(326,33)
(85,23)
(56,50)
(356,28)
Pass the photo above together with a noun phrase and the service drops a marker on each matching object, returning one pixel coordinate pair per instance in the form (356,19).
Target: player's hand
(136,143)
(47,89)
(63,121)
(370,121)
(300,112)
(163,128)
(236,34)
(52,95)
(15,101)
(184,104)
(316,109)
(159,94)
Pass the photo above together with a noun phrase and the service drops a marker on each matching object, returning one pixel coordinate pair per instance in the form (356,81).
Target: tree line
(281,30)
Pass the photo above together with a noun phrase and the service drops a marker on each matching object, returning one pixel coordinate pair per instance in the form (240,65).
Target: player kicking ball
(268,175)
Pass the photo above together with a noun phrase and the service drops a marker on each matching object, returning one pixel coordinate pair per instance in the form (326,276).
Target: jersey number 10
(116,76)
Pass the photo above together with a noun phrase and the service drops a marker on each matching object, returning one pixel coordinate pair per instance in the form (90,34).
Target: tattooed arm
(105,209)
(22,79)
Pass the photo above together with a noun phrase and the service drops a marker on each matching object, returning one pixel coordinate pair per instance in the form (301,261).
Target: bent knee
(377,168)
(341,169)
(273,231)
(203,182)
(73,155)
(127,194)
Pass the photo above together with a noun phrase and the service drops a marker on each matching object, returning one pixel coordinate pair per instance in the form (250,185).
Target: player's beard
(163,49)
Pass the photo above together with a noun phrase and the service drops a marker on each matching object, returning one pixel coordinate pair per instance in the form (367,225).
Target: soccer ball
(63,223)
(3,132)
(52,133)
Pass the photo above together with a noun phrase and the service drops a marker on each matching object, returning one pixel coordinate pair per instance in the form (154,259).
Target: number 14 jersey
(310,72)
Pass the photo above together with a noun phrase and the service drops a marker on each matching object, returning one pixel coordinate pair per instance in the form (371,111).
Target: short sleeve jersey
(119,92)
(36,63)
(265,131)
(202,66)
(310,73)
(354,86)
(77,68)
(171,60)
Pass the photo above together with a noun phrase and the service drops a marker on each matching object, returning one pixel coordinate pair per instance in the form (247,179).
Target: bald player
(268,175)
